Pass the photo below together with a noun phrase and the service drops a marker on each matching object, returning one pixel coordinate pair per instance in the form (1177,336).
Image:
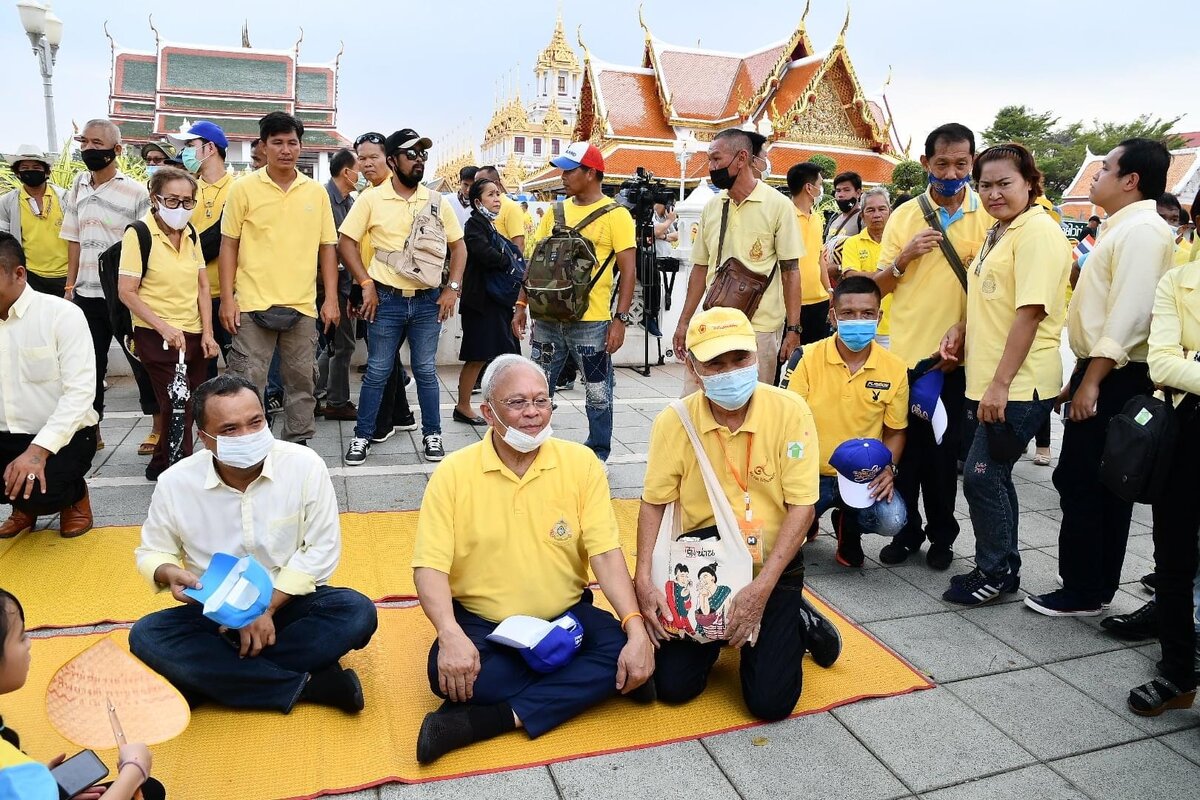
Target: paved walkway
(1025,707)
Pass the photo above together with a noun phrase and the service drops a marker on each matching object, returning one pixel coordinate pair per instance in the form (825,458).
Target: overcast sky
(435,66)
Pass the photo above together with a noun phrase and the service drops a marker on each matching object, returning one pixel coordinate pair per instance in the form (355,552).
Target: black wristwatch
(624,318)
(796,329)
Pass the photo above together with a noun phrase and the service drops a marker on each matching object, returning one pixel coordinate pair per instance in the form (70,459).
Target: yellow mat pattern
(92,579)
(315,751)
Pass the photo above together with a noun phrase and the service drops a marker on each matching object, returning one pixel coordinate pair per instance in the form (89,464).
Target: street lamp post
(684,145)
(45,32)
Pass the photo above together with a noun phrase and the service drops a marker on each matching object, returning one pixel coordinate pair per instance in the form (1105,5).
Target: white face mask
(175,218)
(820,195)
(522,442)
(244,451)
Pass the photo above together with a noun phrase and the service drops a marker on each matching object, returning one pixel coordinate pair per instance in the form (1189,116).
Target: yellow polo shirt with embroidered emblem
(169,285)
(929,299)
(511,222)
(385,219)
(516,545)
(279,237)
(761,231)
(210,203)
(847,406)
(860,253)
(784,459)
(612,233)
(45,250)
(811,227)
(1028,266)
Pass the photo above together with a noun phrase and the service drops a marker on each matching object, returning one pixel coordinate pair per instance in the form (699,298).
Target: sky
(435,66)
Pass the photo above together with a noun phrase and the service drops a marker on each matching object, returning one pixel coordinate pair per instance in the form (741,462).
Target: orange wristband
(625,619)
(523,303)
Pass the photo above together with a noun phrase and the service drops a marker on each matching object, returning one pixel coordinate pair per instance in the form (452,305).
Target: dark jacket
(485,253)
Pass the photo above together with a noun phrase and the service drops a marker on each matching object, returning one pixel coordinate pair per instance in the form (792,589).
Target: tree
(67,165)
(828,165)
(1019,124)
(908,177)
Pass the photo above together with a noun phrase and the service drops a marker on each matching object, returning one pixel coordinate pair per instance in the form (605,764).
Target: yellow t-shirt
(385,219)
(533,557)
(860,253)
(511,222)
(45,250)
(1183,252)
(210,202)
(847,406)
(784,460)
(612,233)
(811,228)
(170,285)
(761,232)
(1028,266)
(279,238)
(929,300)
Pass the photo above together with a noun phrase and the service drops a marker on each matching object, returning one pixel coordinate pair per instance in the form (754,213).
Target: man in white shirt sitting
(248,494)
(47,387)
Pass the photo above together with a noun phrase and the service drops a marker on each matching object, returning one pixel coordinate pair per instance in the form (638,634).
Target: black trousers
(54,286)
(931,469)
(771,671)
(1095,524)
(65,470)
(1176,530)
(95,310)
(814,322)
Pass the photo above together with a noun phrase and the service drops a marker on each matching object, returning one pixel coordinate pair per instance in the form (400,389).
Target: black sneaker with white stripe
(433,448)
(356,454)
(974,589)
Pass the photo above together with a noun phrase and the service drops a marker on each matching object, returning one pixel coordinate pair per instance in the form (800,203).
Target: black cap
(405,138)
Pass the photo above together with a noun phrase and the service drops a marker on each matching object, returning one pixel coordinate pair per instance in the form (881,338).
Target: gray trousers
(333,362)
(250,357)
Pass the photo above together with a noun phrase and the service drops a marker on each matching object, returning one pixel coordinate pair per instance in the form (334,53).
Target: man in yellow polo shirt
(33,214)
(759,230)
(762,443)
(860,253)
(277,224)
(509,526)
(806,188)
(397,307)
(930,297)
(858,391)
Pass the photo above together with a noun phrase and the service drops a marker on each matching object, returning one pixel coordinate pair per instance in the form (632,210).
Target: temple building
(806,102)
(1183,181)
(153,93)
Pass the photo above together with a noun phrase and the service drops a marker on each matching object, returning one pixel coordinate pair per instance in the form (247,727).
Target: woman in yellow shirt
(1016,308)
(168,296)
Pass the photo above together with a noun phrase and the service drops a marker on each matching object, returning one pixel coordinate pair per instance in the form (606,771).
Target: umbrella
(179,393)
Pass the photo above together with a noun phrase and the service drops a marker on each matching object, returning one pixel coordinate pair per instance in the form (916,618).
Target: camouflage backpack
(564,268)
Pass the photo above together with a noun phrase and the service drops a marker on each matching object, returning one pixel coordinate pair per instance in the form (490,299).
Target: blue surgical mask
(362,183)
(151,169)
(948,188)
(190,162)
(731,390)
(857,333)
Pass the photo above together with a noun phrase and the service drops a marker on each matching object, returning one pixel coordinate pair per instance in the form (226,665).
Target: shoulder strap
(722,511)
(435,203)
(721,236)
(592,217)
(143,233)
(931,217)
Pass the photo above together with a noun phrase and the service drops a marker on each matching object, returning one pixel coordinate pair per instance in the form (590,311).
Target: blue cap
(200,129)
(558,647)
(236,590)
(925,401)
(858,462)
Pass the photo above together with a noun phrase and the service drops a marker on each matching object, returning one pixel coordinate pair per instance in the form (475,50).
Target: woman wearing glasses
(168,296)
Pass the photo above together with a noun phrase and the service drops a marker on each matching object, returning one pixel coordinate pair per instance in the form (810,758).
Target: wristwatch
(895,470)
(897,272)
(455,286)
(797,329)
(624,318)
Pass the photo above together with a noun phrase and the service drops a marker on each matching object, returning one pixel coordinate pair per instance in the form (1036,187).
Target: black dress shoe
(463,418)
(1136,625)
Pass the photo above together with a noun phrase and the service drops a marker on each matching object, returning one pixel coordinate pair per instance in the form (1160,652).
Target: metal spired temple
(153,93)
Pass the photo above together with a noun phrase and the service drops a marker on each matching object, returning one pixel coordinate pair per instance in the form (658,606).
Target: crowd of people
(858,365)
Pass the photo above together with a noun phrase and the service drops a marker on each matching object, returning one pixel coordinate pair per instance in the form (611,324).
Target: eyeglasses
(376,138)
(175,202)
(522,403)
(153,161)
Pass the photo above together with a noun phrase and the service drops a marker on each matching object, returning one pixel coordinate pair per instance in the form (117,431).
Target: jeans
(335,351)
(255,347)
(886,517)
(988,485)
(543,701)
(312,632)
(275,375)
(1095,523)
(931,469)
(95,311)
(65,471)
(584,343)
(399,317)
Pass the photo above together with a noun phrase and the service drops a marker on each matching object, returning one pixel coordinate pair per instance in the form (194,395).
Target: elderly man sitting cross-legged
(247,494)
(508,527)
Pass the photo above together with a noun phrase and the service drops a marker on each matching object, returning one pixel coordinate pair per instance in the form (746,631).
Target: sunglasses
(413,154)
(375,138)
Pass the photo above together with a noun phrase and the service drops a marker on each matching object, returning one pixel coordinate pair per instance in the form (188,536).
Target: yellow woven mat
(317,751)
(92,579)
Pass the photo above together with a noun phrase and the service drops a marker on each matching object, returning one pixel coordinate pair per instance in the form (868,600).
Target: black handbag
(276,318)
(1139,446)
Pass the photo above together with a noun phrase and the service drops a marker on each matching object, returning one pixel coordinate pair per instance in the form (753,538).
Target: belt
(392,290)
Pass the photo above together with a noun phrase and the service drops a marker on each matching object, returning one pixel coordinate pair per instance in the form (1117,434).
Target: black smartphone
(78,773)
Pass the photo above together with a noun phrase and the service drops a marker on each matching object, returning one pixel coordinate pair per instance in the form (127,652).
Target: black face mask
(721,178)
(846,205)
(96,160)
(32,177)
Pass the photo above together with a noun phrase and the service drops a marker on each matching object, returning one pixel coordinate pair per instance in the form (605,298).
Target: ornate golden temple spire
(558,53)
(841,40)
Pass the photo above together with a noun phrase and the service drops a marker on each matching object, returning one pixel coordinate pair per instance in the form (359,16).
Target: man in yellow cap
(762,443)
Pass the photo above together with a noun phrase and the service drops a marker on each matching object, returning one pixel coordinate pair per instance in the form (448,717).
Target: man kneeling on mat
(247,494)
(508,527)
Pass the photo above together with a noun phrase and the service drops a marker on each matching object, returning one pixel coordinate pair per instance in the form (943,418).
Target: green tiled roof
(138,77)
(232,127)
(133,109)
(312,88)
(218,105)
(322,139)
(135,129)
(315,117)
(259,77)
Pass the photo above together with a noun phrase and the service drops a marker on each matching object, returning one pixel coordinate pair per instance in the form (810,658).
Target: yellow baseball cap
(719,330)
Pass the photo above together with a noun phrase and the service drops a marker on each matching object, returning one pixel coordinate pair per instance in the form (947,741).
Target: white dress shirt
(47,370)
(287,519)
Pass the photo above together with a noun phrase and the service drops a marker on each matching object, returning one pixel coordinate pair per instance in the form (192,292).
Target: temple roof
(1181,175)
(558,54)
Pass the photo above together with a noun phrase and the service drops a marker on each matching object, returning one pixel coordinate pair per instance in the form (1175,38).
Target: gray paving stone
(840,767)
(1032,783)
(526,784)
(947,647)
(627,475)
(910,734)
(1036,497)
(127,502)
(1146,770)
(872,594)
(1186,743)
(679,770)
(1042,639)
(385,492)
(1035,529)
(1044,714)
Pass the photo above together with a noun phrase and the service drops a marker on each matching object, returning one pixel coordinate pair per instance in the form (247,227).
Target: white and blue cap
(858,462)
(545,646)
(925,400)
(236,590)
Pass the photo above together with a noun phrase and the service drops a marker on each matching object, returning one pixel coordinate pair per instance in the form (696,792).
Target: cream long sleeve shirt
(1109,315)
(287,519)
(1175,331)
(47,370)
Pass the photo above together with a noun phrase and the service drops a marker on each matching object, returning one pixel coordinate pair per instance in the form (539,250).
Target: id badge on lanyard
(751,528)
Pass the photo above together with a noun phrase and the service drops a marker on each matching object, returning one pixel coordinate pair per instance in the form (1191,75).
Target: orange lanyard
(744,485)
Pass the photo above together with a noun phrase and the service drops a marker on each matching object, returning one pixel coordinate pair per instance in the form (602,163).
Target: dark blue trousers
(543,702)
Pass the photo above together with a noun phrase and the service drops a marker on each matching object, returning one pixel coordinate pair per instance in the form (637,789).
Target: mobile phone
(1065,410)
(78,773)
